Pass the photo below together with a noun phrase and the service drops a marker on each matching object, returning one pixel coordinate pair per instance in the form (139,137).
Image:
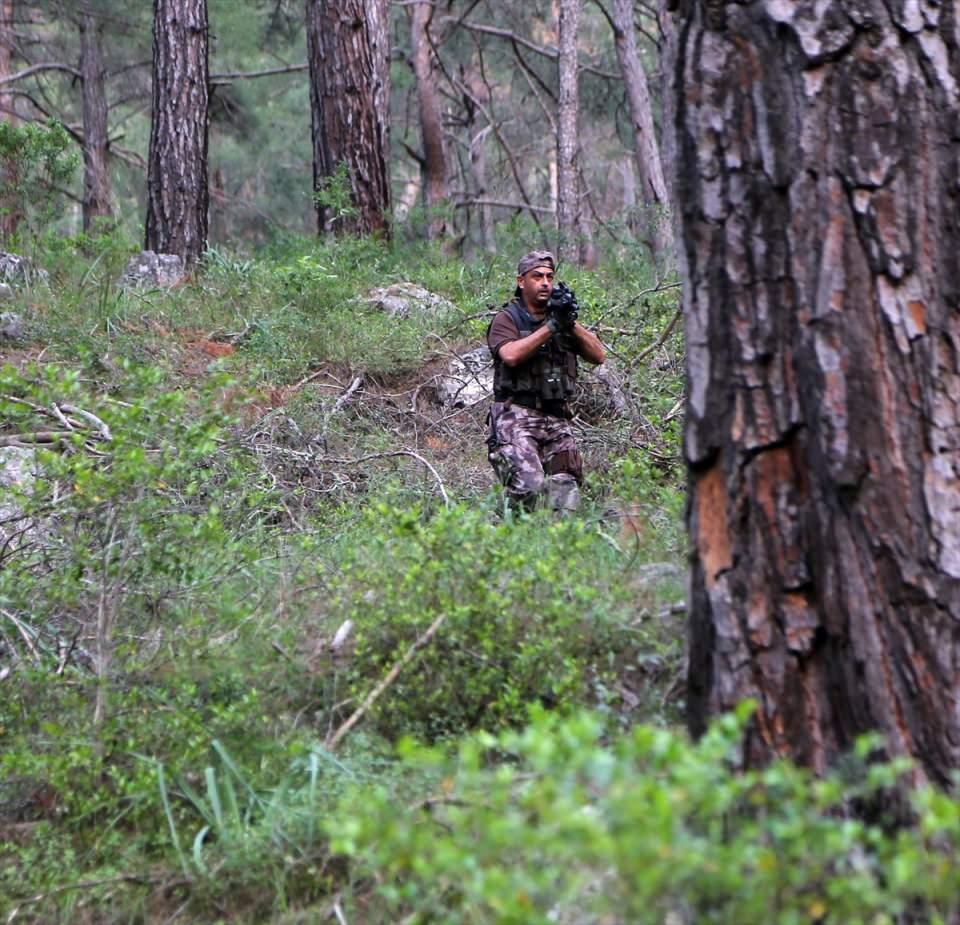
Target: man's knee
(563,492)
(527,485)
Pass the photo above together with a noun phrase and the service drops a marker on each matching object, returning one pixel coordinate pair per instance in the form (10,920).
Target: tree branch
(248,75)
(39,68)
(390,677)
(546,52)
(504,204)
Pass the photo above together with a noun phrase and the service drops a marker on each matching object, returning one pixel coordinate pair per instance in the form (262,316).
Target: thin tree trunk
(478,166)
(568,200)
(646,150)
(349,55)
(177,191)
(431,126)
(96,180)
(10,211)
(816,176)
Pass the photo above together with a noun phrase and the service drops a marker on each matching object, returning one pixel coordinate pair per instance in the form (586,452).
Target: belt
(555,407)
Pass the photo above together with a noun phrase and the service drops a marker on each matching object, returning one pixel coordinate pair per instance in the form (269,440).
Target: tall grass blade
(198,850)
(214,795)
(174,837)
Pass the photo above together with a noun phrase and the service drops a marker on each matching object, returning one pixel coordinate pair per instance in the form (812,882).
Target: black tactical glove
(562,309)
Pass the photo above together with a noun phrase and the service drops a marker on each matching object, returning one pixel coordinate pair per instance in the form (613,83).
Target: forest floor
(273,649)
(251,504)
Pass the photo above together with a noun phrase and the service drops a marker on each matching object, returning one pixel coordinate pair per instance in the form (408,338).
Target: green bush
(44,158)
(557,824)
(536,610)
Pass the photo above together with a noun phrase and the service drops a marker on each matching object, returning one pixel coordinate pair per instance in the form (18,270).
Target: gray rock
(467,380)
(401,300)
(150,270)
(18,470)
(12,326)
(602,392)
(18,272)
(6,292)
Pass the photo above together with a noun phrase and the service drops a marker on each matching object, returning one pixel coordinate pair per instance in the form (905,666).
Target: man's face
(535,286)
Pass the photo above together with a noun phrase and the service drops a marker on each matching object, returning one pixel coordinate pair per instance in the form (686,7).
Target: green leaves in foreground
(554,824)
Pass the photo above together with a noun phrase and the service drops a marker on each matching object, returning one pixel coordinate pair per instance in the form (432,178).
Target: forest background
(271,649)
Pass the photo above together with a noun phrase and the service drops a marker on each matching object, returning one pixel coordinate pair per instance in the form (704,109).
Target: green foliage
(556,823)
(536,610)
(41,156)
(335,195)
(171,614)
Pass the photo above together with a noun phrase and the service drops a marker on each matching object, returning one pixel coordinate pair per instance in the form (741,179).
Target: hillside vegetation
(251,510)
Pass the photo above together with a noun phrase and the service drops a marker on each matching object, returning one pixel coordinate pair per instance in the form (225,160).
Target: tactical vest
(548,379)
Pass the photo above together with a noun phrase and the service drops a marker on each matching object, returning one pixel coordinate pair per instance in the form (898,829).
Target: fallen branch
(90,418)
(36,436)
(416,456)
(661,340)
(390,677)
(343,399)
(83,885)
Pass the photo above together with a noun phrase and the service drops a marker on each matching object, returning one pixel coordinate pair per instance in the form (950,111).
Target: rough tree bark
(568,198)
(177,191)
(349,55)
(10,213)
(646,150)
(96,179)
(431,127)
(817,176)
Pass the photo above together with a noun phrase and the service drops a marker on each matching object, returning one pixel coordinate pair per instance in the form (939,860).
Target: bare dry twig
(388,679)
(387,455)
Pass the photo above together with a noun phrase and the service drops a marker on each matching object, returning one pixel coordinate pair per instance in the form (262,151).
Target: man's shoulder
(509,314)
(503,328)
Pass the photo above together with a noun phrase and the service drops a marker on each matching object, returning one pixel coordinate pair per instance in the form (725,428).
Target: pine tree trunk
(568,197)
(817,175)
(10,211)
(646,150)
(349,55)
(96,179)
(177,193)
(431,126)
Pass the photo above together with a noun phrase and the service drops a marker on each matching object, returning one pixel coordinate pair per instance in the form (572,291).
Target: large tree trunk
(568,197)
(96,179)
(177,193)
(10,211)
(349,55)
(817,175)
(646,150)
(431,126)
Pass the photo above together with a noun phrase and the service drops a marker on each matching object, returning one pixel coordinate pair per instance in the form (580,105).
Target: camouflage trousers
(535,457)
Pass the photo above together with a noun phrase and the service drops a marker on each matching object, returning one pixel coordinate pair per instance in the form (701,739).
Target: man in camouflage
(531,445)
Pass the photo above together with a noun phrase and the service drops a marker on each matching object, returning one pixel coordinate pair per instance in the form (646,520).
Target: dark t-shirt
(502,331)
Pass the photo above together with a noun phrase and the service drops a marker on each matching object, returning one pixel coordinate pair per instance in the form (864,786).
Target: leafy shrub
(44,158)
(535,611)
(564,826)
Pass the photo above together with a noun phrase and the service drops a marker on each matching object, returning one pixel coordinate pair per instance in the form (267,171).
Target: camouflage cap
(535,259)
